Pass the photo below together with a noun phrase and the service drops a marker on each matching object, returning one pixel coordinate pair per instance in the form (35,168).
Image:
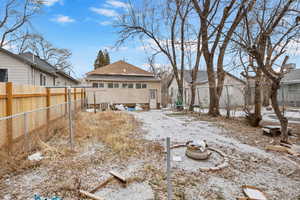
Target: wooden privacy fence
(32,108)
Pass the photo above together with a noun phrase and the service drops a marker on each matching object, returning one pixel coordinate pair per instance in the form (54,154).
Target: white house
(233,86)
(31,70)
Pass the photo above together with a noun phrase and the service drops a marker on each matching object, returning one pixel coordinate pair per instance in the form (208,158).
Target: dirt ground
(133,145)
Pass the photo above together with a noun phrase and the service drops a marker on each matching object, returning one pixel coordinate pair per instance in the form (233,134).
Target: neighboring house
(123,83)
(233,85)
(289,92)
(29,69)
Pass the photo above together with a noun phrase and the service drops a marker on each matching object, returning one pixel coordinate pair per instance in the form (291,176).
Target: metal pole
(26,132)
(70,118)
(94,102)
(169,169)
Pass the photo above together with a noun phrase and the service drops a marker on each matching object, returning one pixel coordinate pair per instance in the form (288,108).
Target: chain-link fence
(23,131)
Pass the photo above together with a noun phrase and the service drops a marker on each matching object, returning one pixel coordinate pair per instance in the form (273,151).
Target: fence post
(169,185)
(94,102)
(81,99)
(48,103)
(70,117)
(85,99)
(66,100)
(75,98)
(9,127)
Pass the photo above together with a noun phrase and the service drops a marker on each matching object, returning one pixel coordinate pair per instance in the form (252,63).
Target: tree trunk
(213,93)
(193,95)
(266,93)
(282,119)
(257,100)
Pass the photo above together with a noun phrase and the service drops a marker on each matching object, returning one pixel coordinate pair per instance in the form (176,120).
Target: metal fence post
(169,185)
(70,118)
(95,102)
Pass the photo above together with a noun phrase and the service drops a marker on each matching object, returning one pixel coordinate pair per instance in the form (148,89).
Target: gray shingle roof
(121,78)
(44,65)
(201,76)
(41,64)
(292,77)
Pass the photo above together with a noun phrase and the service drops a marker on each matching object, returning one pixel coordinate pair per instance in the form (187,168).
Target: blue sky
(84,27)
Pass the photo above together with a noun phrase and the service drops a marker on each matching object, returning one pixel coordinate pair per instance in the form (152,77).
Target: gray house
(233,92)
(289,93)
(29,69)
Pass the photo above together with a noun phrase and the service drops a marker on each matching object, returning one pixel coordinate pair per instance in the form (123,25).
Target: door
(153,99)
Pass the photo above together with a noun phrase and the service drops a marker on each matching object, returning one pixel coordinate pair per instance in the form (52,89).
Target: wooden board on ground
(118,176)
(102,184)
(90,195)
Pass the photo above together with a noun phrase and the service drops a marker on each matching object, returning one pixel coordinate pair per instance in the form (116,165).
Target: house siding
(22,73)
(62,81)
(235,90)
(123,95)
(18,72)
(289,95)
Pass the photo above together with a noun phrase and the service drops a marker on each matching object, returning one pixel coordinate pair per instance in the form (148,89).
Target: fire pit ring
(220,166)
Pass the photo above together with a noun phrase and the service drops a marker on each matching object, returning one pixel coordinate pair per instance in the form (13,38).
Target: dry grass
(101,139)
(116,130)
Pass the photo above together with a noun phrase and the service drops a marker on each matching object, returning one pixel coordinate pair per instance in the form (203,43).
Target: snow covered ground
(293,114)
(249,165)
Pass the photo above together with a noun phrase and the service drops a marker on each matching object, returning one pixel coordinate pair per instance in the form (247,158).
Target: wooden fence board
(27,98)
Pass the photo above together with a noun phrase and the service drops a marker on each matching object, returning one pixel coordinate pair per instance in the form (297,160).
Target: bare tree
(270,28)
(165,25)
(14,15)
(217,29)
(42,48)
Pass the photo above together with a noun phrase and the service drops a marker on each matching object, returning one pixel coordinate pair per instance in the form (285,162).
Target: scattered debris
(138,107)
(253,192)
(120,107)
(35,157)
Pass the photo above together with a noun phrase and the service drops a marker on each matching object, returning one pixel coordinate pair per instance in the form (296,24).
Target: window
(101,85)
(54,81)
(130,85)
(144,85)
(172,92)
(124,85)
(95,85)
(138,86)
(42,80)
(3,75)
(116,85)
(110,85)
